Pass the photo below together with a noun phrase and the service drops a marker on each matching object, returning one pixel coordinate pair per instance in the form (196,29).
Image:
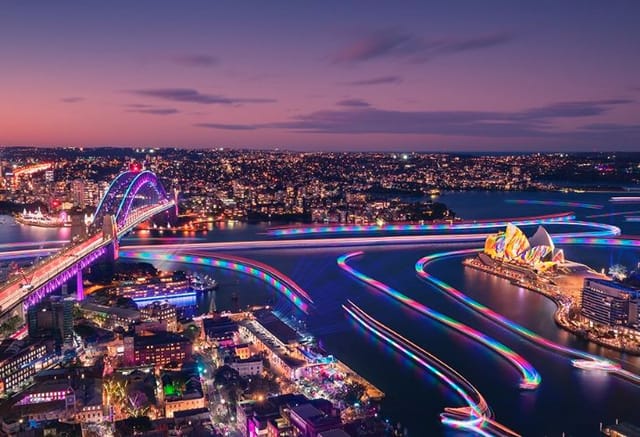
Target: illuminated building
(242,351)
(247,366)
(221,330)
(287,415)
(159,349)
(77,193)
(283,360)
(79,390)
(20,360)
(610,303)
(182,391)
(512,246)
(161,312)
(310,421)
(109,317)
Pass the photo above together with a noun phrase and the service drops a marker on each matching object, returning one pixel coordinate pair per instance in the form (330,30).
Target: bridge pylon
(110,231)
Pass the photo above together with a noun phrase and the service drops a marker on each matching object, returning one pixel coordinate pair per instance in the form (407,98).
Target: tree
(260,385)
(137,404)
(618,272)
(191,332)
(352,393)
(10,325)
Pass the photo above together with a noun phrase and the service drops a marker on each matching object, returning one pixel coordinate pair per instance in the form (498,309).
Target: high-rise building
(52,318)
(78,193)
(609,303)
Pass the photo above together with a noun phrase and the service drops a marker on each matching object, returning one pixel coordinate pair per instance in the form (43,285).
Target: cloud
(529,123)
(189,95)
(138,105)
(381,80)
(72,99)
(583,108)
(400,44)
(228,126)
(356,103)
(155,111)
(195,60)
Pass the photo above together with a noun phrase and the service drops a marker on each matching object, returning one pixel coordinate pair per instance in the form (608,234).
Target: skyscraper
(52,318)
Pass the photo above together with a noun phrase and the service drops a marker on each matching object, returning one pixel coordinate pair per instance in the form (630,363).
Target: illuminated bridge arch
(128,189)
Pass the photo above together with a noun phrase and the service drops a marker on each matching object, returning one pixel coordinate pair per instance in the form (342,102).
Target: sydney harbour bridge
(133,197)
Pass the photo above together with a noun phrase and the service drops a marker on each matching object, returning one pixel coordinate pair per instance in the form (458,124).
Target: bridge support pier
(79,286)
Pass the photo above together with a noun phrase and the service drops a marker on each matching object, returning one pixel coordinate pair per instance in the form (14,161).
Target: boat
(37,218)
(202,283)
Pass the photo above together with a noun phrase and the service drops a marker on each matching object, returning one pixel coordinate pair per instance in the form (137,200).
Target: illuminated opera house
(537,254)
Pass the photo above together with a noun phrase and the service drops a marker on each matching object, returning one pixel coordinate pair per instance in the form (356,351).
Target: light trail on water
(476,416)
(612,214)
(554,203)
(625,199)
(483,310)
(530,378)
(476,224)
(265,273)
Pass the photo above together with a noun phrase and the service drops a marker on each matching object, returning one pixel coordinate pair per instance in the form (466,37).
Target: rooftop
(613,284)
(124,313)
(160,338)
(277,327)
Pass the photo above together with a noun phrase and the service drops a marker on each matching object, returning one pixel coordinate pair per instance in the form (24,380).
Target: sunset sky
(327,75)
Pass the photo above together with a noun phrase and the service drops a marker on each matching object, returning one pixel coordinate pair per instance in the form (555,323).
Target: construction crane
(26,285)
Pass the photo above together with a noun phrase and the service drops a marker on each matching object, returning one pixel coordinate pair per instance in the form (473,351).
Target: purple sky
(330,75)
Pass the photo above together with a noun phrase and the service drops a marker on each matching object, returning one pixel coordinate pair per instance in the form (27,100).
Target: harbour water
(569,400)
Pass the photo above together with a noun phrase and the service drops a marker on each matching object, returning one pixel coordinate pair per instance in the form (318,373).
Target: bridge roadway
(16,291)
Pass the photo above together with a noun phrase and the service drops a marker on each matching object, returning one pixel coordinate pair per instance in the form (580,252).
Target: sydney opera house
(537,254)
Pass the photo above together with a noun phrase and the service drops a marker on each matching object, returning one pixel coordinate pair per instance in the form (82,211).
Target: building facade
(609,303)
(159,349)
(20,360)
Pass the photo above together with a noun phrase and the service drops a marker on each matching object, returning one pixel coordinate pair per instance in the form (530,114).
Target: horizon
(316,151)
(336,76)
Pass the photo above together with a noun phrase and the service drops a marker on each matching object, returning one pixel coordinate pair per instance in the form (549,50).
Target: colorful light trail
(604,230)
(481,309)
(479,224)
(166,296)
(476,416)
(530,378)
(554,203)
(612,214)
(271,276)
(625,199)
(597,241)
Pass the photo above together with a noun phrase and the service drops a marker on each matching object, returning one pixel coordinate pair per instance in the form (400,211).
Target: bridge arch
(123,190)
(142,180)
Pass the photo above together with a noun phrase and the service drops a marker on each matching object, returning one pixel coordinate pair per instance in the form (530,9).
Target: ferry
(600,364)
(37,218)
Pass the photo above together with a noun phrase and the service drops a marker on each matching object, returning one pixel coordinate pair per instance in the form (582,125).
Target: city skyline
(332,76)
